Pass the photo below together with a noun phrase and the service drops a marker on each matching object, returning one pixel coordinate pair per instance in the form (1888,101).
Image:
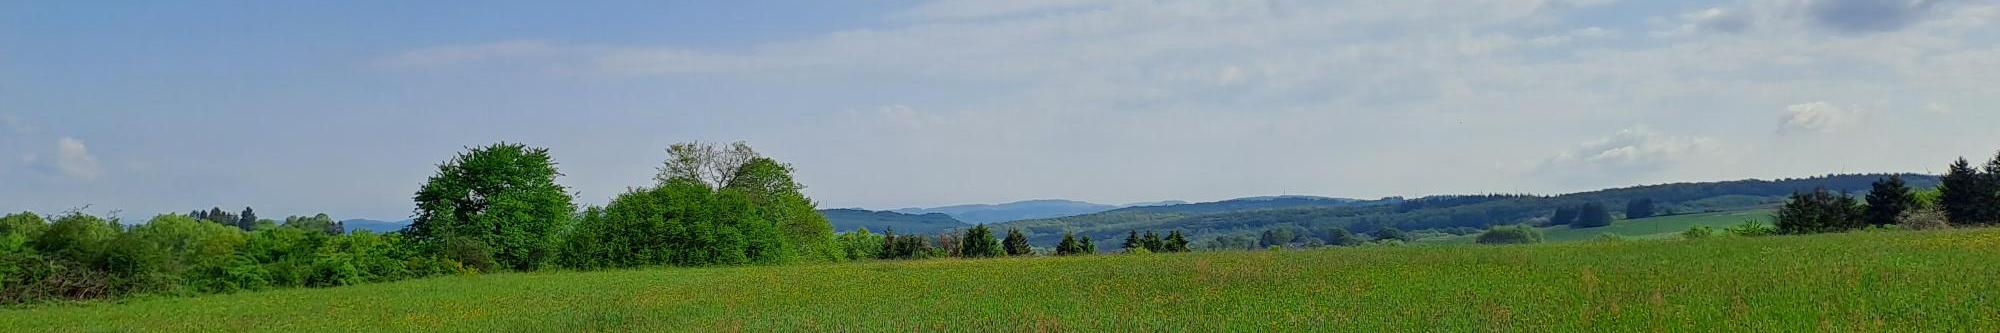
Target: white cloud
(1633,152)
(1817,117)
(75,161)
(1163,89)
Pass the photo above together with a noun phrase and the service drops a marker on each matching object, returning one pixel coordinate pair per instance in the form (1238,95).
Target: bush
(471,255)
(1516,234)
(1698,233)
(334,270)
(1923,218)
(1750,228)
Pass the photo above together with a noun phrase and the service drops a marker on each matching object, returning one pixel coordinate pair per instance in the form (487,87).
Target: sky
(297,108)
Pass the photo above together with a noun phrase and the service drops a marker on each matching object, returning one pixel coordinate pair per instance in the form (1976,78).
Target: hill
(846,220)
(1866,281)
(374,225)
(1013,211)
(1246,217)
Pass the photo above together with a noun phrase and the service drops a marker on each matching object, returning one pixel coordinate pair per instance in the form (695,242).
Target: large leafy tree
(503,197)
(1592,215)
(1639,208)
(1887,201)
(1563,215)
(770,186)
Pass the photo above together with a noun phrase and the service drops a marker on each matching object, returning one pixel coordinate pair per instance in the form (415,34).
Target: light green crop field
(1932,281)
(1660,227)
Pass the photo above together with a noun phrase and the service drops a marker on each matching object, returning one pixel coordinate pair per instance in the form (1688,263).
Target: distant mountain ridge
(1013,211)
(848,220)
(1247,216)
(374,225)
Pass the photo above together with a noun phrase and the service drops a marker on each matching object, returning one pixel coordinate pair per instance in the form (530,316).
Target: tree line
(1968,196)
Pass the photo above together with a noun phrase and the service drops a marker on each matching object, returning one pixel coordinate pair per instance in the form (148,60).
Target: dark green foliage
(1280,236)
(683,223)
(1592,215)
(247,220)
(978,242)
(1205,222)
(320,223)
(1132,241)
(1639,208)
(860,244)
(806,235)
(76,237)
(1152,242)
(845,220)
(502,196)
(1017,243)
(906,246)
(89,257)
(1819,211)
(1176,242)
(1516,234)
(1971,197)
(1563,216)
(1391,233)
(1068,246)
(1089,247)
(1888,200)
(1342,237)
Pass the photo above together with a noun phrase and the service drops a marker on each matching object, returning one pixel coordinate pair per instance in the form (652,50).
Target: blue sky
(344,108)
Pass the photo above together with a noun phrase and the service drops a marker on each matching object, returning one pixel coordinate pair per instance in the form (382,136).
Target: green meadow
(1930,281)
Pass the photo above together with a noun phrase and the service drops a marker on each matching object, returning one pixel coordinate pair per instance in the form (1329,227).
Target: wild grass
(1930,281)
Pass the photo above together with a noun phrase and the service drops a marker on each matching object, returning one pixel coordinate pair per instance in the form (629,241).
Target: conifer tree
(1132,241)
(1016,243)
(1888,199)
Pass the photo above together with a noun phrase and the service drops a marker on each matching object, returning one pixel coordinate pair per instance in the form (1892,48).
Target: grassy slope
(1663,227)
(1919,281)
(1659,227)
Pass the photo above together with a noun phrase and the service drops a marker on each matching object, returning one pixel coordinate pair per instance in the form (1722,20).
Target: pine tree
(1068,246)
(1888,199)
(1177,242)
(1819,211)
(247,220)
(888,244)
(979,243)
(1968,196)
(1152,242)
(1016,243)
(1089,247)
(1132,241)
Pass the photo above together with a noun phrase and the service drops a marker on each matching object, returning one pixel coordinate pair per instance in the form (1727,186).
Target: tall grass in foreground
(1899,281)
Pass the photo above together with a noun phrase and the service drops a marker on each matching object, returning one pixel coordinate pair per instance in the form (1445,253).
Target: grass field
(1905,281)
(1662,227)
(1659,227)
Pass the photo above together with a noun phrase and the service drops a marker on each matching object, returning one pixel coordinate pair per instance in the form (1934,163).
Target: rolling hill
(1246,217)
(1013,211)
(846,220)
